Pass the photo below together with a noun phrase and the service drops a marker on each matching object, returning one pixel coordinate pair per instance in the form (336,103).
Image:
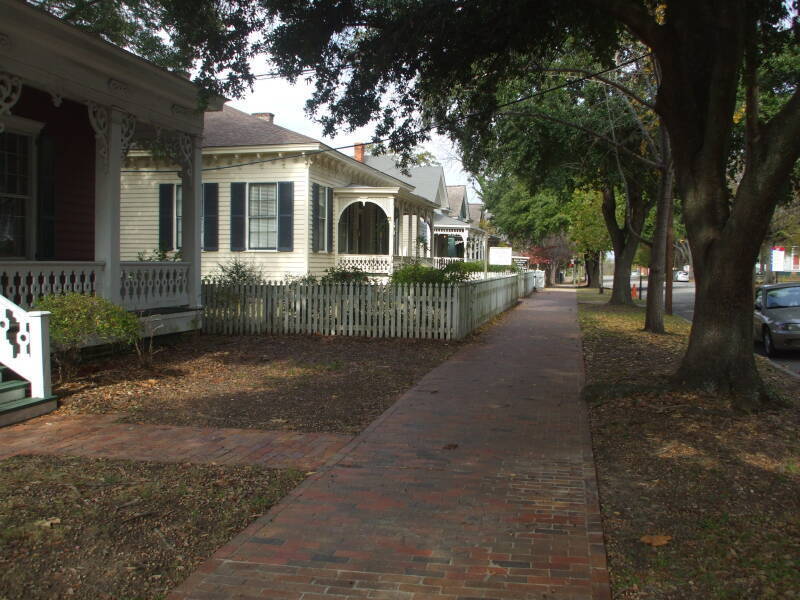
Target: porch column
(432,241)
(400,229)
(392,241)
(192,181)
(410,235)
(107,125)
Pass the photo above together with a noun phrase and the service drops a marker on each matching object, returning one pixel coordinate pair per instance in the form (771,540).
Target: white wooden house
(282,201)
(71,104)
(457,235)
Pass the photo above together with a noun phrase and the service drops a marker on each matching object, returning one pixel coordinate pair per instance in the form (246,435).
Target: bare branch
(625,90)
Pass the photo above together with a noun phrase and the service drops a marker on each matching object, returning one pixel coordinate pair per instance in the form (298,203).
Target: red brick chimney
(265,116)
(358,152)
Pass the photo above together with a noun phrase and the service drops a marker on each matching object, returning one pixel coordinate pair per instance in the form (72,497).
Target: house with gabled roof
(456,237)
(286,203)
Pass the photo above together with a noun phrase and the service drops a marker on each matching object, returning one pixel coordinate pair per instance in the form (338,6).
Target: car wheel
(769,346)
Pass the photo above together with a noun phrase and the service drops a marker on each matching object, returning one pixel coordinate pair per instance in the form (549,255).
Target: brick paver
(478,483)
(100,436)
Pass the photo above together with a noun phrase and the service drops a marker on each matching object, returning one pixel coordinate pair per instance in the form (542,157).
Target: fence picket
(403,310)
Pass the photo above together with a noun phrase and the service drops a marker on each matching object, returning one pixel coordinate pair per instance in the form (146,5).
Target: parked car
(776,321)
(680,276)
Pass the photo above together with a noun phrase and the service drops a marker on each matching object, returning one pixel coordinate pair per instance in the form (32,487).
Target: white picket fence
(429,311)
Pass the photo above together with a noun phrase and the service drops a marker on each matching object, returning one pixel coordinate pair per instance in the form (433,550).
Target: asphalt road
(683,306)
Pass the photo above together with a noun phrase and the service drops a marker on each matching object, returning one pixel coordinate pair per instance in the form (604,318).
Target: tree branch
(635,16)
(607,81)
(599,136)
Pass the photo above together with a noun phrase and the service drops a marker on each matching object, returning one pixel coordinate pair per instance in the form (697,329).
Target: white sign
(778,255)
(500,256)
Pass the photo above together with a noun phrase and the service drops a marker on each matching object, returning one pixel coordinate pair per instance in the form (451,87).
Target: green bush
(159,255)
(418,273)
(77,320)
(502,268)
(345,275)
(236,272)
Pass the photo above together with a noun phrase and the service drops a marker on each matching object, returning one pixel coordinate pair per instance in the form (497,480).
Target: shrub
(419,273)
(307,279)
(345,275)
(513,267)
(159,255)
(77,320)
(236,272)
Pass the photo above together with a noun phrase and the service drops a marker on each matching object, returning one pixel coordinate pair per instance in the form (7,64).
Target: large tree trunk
(623,241)
(592,271)
(654,316)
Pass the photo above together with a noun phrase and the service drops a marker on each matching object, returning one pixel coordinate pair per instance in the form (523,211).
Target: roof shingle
(231,127)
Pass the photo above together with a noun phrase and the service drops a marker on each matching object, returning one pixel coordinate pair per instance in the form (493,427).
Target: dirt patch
(720,491)
(102,529)
(303,383)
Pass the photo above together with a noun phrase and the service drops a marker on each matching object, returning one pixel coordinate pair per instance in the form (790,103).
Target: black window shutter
(238,219)
(166,215)
(285,216)
(46,192)
(314,217)
(330,219)
(210,216)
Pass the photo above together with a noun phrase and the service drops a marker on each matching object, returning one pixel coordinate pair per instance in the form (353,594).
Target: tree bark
(623,242)
(656,278)
(592,271)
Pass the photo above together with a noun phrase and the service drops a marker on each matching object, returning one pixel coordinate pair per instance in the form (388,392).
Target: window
(178,217)
(16,191)
(321,224)
(262,216)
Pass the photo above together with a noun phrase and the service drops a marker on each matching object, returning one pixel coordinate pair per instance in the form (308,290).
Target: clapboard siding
(139,210)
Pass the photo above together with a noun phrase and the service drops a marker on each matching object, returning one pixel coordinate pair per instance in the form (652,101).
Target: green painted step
(12,390)
(14,405)
(23,409)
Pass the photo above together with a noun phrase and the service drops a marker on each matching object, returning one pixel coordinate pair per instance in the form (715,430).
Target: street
(683,306)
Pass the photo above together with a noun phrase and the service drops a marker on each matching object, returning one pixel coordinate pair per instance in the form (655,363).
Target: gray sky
(287,101)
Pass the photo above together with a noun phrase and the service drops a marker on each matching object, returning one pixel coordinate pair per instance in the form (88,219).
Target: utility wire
(427,129)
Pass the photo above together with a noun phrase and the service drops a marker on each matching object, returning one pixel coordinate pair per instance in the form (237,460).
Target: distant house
(456,233)
(280,200)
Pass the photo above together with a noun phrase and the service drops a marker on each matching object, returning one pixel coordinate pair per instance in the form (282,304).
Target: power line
(424,130)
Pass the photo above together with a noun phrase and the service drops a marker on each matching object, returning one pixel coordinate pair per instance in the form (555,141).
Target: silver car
(776,320)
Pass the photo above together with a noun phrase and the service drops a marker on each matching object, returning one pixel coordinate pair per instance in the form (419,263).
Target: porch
(370,240)
(455,240)
(71,106)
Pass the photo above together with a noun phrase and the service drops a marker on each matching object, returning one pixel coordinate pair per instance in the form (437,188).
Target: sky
(287,102)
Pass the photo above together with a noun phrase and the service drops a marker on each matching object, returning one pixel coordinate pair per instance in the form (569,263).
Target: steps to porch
(16,404)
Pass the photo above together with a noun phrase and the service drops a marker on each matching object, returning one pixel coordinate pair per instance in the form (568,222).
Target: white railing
(25,282)
(146,285)
(369,263)
(25,345)
(442,261)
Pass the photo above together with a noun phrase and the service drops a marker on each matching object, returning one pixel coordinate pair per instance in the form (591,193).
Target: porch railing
(369,263)
(147,285)
(25,282)
(25,345)
(442,261)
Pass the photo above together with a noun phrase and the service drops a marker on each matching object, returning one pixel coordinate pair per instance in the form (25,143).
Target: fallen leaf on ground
(47,522)
(656,540)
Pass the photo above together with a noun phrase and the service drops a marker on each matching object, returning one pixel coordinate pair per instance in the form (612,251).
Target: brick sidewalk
(478,483)
(99,436)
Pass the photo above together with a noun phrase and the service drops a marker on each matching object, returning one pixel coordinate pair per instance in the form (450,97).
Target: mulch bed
(717,491)
(303,383)
(111,530)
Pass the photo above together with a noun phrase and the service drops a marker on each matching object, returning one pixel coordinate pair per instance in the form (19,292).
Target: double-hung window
(178,217)
(16,191)
(321,223)
(262,216)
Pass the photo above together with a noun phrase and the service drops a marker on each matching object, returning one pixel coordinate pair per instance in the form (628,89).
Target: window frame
(30,129)
(321,235)
(248,245)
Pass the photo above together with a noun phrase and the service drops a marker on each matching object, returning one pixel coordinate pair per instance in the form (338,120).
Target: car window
(783,297)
